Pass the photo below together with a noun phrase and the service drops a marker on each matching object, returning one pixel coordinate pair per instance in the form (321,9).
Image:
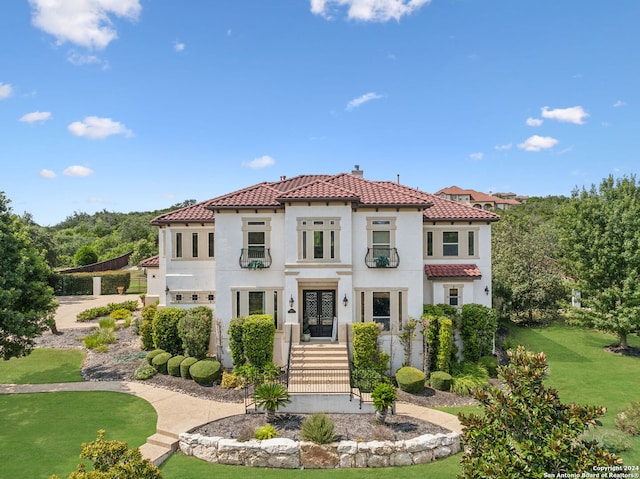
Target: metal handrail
(382,257)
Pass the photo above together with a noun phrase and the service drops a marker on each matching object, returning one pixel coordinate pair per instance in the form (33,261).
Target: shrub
(93,313)
(120,313)
(614,442)
(85,255)
(383,396)
(366,352)
(145,371)
(266,432)
(445,342)
(235,342)
(160,362)
(467,377)
(366,379)
(185,365)
(148,312)
(479,324)
(410,379)
(270,396)
(108,323)
(628,420)
(318,428)
(135,325)
(258,333)
(165,329)
(491,364)
(194,330)
(152,354)
(230,381)
(205,372)
(146,334)
(440,380)
(99,339)
(173,365)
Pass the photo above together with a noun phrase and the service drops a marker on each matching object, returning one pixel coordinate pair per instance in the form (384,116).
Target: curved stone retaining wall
(288,454)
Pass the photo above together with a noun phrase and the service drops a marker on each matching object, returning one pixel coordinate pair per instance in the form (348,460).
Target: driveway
(70,306)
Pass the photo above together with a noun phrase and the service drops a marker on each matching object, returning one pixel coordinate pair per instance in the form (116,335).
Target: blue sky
(135,105)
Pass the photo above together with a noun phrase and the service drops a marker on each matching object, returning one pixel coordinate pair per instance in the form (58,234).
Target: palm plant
(383,396)
(270,396)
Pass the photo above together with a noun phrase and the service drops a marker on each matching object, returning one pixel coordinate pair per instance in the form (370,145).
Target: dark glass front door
(318,312)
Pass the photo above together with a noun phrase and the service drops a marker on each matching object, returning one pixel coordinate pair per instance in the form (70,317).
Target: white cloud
(261,162)
(368,10)
(575,114)
(98,128)
(179,46)
(356,102)
(534,121)
(476,156)
(79,59)
(537,143)
(5,90)
(36,116)
(86,23)
(619,103)
(78,171)
(45,173)
(503,147)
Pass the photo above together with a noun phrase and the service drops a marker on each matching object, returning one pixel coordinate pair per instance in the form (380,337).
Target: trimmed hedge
(152,354)
(160,362)
(73,284)
(440,381)
(93,313)
(258,332)
(185,365)
(410,379)
(194,330)
(173,365)
(165,329)
(205,372)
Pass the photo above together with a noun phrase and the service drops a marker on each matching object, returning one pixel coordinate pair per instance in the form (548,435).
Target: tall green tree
(26,300)
(526,431)
(600,239)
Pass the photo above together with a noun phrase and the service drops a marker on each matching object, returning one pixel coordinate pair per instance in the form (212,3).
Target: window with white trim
(385,307)
(450,243)
(318,239)
(258,301)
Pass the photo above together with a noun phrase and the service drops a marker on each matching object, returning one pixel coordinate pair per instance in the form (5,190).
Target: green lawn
(583,372)
(41,434)
(43,366)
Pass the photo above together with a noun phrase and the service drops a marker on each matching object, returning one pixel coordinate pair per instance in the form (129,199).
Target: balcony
(382,257)
(255,258)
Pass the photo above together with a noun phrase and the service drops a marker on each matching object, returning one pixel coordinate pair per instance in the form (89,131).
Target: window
(381,239)
(318,239)
(255,249)
(381,243)
(212,251)
(178,297)
(382,309)
(450,243)
(178,245)
(453,296)
(429,243)
(194,245)
(256,302)
(471,247)
(256,244)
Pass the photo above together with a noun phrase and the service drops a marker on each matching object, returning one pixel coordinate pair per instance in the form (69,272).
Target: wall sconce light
(291,303)
(345,301)
(486,290)
(166,290)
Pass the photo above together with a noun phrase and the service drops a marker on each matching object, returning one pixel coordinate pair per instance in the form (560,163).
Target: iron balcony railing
(382,257)
(255,258)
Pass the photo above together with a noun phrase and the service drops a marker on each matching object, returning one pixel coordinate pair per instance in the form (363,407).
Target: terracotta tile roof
(343,186)
(193,213)
(476,195)
(443,209)
(153,262)
(442,271)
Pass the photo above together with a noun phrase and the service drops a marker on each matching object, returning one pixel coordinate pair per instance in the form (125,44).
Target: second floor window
(318,239)
(256,244)
(450,243)
(178,245)
(194,245)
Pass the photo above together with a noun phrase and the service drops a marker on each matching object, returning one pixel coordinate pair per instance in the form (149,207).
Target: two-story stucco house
(320,252)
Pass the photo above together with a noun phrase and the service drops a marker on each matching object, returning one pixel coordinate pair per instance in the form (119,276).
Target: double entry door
(318,311)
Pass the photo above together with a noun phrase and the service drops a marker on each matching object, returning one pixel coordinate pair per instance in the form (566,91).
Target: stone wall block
(377,460)
(400,459)
(361,459)
(347,461)
(315,456)
(280,445)
(422,457)
(348,447)
(286,461)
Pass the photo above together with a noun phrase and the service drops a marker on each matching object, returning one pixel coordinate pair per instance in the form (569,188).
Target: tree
(527,276)
(526,431)
(113,460)
(26,300)
(600,239)
(85,255)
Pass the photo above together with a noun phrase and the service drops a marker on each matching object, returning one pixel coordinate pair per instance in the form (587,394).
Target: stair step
(162,440)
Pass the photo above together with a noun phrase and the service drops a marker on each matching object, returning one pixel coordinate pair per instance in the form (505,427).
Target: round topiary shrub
(173,365)
(441,381)
(145,371)
(205,372)
(160,362)
(410,379)
(185,365)
(491,364)
(152,354)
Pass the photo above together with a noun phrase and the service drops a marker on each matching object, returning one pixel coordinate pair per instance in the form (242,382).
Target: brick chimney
(357,171)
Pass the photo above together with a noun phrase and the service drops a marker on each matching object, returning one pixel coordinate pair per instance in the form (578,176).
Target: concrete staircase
(319,368)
